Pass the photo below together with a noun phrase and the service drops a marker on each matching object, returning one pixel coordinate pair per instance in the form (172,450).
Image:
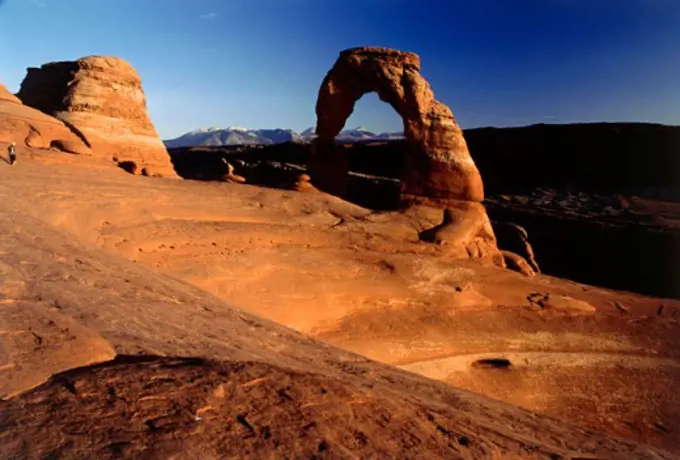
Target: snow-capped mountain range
(235,135)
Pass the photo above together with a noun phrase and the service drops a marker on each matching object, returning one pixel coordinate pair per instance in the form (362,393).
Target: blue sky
(259,63)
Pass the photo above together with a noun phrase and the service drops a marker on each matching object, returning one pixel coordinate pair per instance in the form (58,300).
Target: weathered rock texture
(102,100)
(437,169)
(514,240)
(437,166)
(467,232)
(32,128)
(247,387)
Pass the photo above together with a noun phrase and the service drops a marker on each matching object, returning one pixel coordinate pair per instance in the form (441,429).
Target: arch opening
(375,156)
(374,115)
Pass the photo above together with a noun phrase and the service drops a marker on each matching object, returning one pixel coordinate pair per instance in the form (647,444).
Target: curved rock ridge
(185,408)
(5,95)
(101,99)
(32,128)
(438,166)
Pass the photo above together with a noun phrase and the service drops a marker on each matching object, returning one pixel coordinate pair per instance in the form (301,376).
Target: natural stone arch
(437,168)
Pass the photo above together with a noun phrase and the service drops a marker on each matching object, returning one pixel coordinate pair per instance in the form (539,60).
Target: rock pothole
(492,363)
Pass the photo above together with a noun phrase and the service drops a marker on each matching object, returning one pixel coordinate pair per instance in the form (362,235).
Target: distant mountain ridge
(235,135)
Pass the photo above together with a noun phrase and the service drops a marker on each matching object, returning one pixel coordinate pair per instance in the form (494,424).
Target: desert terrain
(104,251)
(154,317)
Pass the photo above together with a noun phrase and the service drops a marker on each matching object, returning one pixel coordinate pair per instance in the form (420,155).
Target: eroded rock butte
(101,100)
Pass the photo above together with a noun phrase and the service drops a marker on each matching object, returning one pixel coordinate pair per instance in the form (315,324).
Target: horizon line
(566,123)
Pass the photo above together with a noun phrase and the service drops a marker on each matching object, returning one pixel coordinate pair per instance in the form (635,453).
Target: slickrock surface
(356,279)
(100,98)
(607,226)
(32,128)
(194,377)
(6,96)
(188,408)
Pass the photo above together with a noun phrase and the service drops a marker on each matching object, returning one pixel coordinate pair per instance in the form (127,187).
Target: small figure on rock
(12,153)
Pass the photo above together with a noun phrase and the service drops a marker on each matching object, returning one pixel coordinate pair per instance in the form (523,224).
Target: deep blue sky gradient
(259,63)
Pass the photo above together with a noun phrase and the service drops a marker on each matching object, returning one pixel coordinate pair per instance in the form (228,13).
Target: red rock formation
(437,168)
(32,128)
(303,183)
(230,176)
(100,98)
(5,95)
(467,232)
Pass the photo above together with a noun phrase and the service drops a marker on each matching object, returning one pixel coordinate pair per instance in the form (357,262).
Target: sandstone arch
(437,168)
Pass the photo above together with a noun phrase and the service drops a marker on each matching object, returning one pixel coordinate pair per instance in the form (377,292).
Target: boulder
(31,128)
(101,99)
(437,166)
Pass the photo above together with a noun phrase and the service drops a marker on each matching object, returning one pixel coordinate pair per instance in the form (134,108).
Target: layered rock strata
(32,128)
(101,99)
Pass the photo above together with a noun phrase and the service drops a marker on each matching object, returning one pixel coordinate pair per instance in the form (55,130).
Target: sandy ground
(184,266)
